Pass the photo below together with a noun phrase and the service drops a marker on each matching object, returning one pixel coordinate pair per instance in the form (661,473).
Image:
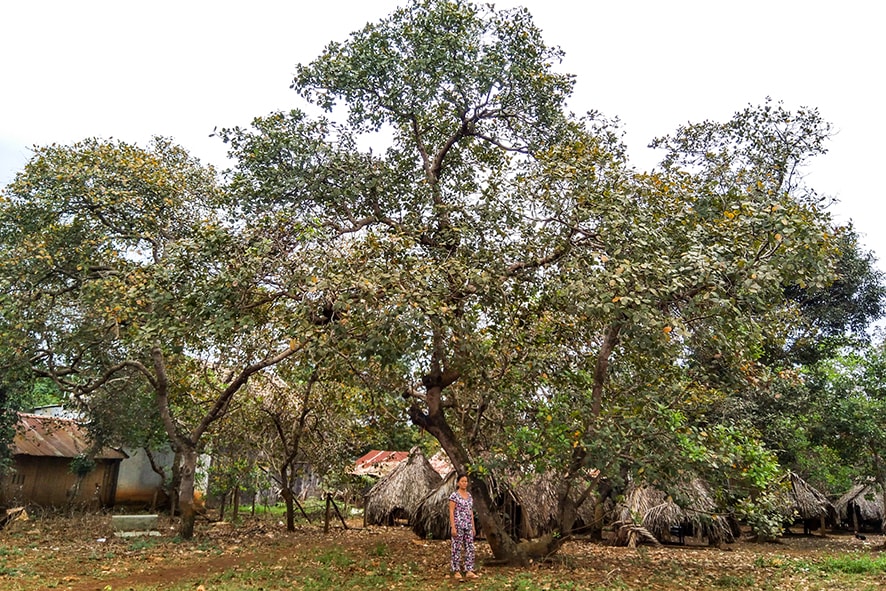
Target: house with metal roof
(55,465)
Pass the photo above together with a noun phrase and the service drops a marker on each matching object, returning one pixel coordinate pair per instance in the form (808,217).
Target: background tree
(845,417)
(123,275)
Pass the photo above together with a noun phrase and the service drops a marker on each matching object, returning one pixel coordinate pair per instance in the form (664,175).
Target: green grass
(312,506)
(734,582)
(341,569)
(850,564)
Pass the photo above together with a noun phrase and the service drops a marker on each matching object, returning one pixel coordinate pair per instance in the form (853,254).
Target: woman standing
(461,525)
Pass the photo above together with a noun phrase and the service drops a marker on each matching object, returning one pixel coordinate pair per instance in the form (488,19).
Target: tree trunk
(175,483)
(290,509)
(883,501)
(596,532)
(186,493)
(287,494)
(503,546)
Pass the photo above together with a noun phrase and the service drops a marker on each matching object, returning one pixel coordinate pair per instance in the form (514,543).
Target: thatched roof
(398,494)
(527,502)
(656,512)
(431,517)
(537,496)
(866,499)
(800,498)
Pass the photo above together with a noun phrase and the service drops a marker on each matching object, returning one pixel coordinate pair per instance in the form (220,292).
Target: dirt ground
(82,553)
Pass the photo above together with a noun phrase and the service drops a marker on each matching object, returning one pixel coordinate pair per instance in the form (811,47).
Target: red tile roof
(38,435)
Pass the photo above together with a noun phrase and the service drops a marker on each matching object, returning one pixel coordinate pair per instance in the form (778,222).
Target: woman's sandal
(471,575)
(457,576)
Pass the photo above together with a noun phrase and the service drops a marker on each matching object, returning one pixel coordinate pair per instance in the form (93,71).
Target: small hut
(527,503)
(801,501)
(398,495)
(538,498)
(431,518)
(861,507)
(432,515)
(56,465)
(648,511)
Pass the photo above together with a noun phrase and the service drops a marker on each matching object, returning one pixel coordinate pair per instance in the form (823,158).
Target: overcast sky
(130,70)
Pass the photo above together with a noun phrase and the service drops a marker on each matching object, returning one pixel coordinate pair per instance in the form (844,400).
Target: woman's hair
(459,476)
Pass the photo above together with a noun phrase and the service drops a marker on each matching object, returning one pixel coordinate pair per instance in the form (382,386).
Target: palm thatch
(398,495)
(527,502)
(656,513)
(431,517)
(800,499)
(538,498)
(862,505)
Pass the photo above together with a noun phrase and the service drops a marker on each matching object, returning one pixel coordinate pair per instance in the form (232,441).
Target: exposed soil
(81,553)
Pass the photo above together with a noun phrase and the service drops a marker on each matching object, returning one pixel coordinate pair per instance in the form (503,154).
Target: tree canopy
(494,261)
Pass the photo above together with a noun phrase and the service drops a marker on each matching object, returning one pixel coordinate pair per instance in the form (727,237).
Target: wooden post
(337,512)
(300,508)
(326,522)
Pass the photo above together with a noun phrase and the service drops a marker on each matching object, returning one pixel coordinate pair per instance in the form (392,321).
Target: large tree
(507,261)
(122,275)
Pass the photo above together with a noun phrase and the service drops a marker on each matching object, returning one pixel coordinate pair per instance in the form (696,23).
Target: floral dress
(464,527)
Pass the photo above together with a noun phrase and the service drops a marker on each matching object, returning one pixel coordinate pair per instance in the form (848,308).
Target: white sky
(179,68)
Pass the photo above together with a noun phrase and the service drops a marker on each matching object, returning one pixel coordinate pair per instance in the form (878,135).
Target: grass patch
(850,564)
(335,557)
(734,582)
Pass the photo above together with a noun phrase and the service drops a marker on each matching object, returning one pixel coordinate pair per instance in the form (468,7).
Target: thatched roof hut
(862,505)
(800,499)
(537,496)
(431,517)
(528,504)
(398,495)
(650,510)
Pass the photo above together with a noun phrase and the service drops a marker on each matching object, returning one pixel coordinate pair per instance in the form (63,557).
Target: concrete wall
(137,483)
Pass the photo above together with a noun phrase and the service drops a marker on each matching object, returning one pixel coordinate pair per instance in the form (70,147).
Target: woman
(461,525)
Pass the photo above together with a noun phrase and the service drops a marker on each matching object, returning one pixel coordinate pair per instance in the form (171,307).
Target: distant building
(138,483)
(378,463)
(42,452)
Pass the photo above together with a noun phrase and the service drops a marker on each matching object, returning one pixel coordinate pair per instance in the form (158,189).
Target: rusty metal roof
(38,435)
(378,462)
